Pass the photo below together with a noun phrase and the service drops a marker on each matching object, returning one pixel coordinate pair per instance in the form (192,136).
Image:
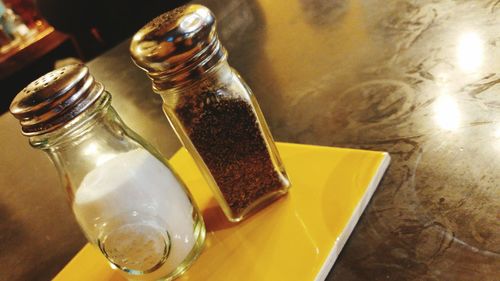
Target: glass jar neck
(220,73)
(88,141)
(77,127)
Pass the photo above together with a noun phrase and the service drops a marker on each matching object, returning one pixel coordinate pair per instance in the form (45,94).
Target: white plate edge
(356,214)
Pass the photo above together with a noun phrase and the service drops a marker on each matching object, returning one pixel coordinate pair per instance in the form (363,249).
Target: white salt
(128,203)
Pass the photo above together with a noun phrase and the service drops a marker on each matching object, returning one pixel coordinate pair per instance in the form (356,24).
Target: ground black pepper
(224,130)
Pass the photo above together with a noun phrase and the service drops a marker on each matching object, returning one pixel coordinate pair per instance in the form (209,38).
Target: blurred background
(39,35)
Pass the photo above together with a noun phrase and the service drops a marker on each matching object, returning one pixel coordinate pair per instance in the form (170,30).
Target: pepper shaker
(212,110)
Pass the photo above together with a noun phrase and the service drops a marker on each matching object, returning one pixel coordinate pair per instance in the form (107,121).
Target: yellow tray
(298,237)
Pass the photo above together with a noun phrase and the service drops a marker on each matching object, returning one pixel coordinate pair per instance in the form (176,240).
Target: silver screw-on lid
(55,98)
(177,46)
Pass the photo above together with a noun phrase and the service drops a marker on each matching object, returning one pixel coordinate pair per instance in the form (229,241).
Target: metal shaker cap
(177,46)
(55,99)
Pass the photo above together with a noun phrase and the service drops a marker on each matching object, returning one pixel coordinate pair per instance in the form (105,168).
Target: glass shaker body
(125,196)
(219,121)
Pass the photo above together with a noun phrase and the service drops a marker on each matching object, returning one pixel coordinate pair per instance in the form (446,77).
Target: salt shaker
(126,198)
(212,110)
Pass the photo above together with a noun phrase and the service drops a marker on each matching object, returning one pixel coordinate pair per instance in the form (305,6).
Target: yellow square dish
(298,237)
